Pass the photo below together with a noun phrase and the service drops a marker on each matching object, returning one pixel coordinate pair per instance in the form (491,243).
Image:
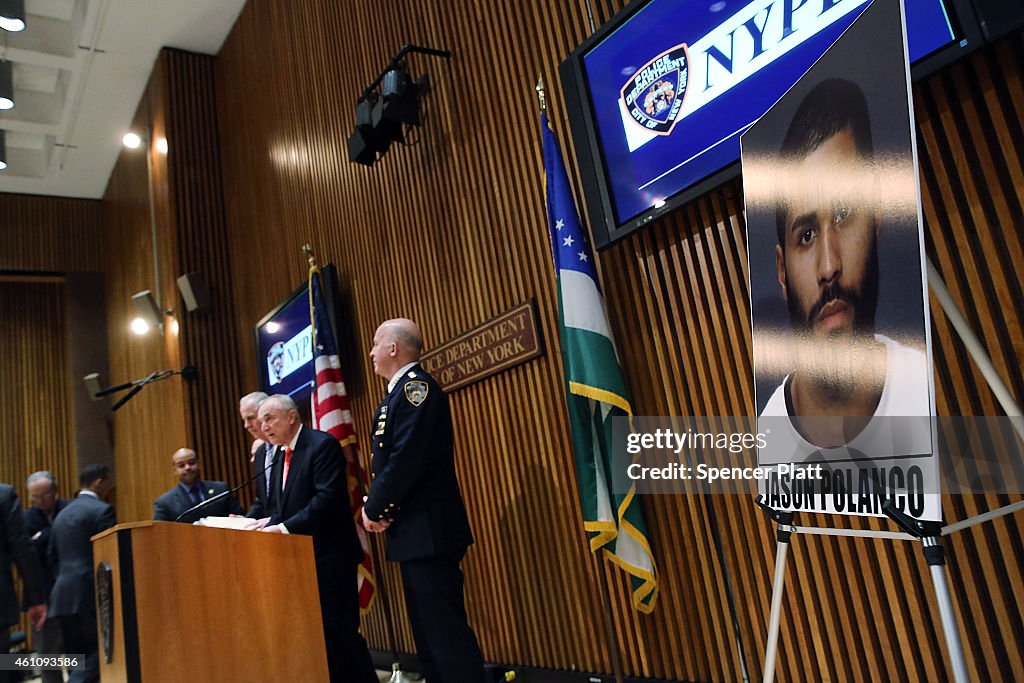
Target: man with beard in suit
(312,500)
(191,491)
(72,601)
(45,505)
(15,547)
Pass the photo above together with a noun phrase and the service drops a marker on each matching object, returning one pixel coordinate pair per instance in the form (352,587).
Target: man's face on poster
(827,264)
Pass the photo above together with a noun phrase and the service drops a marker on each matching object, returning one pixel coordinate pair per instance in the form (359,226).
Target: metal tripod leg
(782,534)
(930,532)
(778,587)
(936,556)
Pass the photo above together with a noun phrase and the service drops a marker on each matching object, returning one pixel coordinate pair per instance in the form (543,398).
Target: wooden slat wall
(35,422)
(150,427)
(207,338)
(53,234)
(452,231)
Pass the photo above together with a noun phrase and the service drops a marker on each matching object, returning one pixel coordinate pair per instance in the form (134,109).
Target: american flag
(332,414)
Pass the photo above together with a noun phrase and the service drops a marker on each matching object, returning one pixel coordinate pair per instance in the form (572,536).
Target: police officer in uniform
(415,498)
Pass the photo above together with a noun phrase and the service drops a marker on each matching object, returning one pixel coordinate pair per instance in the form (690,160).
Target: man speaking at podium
(191,491)
(312,501)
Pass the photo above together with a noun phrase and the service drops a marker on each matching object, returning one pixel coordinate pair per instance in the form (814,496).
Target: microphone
(92,385)
(224,494)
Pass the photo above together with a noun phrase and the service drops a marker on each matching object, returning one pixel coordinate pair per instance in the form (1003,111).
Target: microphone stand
(223,494)
(136,388)
(188,372)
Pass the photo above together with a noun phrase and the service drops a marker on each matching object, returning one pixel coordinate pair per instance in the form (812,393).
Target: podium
(177,602)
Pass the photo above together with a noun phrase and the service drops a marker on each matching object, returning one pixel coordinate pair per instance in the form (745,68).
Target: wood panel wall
(50,234)
(451,231)
(153,424)
(35,422)
(43,238)
(35,391)
(191,238)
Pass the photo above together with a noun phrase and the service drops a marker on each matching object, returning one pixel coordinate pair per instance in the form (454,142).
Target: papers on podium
(241,523)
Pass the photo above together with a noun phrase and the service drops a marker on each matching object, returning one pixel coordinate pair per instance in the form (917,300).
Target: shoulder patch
(416,392)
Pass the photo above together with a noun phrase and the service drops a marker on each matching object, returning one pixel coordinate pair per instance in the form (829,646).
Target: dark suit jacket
(314,501)
(414,472)
(264,505)
(38,528)
(171,504)
(15,547)
(71,552)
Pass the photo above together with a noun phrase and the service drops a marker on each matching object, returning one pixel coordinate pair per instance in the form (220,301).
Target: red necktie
(287,465)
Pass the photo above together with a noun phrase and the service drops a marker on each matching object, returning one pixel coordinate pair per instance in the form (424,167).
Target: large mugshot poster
(842,357)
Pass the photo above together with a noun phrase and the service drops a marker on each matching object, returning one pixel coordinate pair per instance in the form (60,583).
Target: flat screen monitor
(659,96)
(284,341)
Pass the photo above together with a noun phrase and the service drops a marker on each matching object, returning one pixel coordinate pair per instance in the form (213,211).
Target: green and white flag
(596,391)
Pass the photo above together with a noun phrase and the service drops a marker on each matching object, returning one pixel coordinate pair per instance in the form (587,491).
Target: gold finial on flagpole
(540,94)
(308,251)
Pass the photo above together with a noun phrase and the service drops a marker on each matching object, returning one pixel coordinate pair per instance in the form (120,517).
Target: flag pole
(609,630)
(397,675)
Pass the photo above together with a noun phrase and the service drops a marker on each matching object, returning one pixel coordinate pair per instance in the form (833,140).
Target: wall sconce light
(131,140)
(12,15)
(150,314)
(6,85)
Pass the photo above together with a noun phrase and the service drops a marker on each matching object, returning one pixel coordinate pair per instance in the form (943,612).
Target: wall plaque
(505,341)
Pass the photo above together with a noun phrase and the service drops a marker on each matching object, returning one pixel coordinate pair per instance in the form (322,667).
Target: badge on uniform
(416,392)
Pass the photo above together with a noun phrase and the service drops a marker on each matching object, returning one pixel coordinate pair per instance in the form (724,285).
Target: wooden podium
(190,603)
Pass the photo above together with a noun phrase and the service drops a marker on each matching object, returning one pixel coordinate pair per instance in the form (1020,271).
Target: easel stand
(927,532)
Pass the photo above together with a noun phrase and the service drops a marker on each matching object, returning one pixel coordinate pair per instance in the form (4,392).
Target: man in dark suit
(191,491)
(71,600)
(45,506)
(312,500)
(261,456)
(15,547)
(415,498)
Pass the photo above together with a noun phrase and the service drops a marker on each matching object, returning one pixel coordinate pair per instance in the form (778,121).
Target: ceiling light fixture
(12,15)
(6,85)
(3,149)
